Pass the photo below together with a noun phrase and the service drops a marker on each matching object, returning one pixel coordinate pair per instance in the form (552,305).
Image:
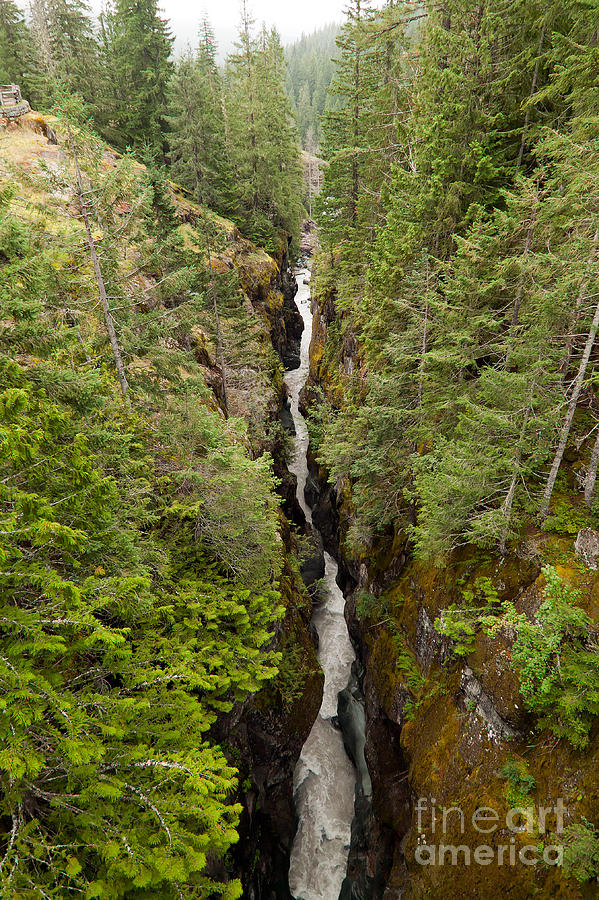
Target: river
(324,778)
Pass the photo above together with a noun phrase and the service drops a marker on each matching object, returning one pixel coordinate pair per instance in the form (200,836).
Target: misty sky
(291,19)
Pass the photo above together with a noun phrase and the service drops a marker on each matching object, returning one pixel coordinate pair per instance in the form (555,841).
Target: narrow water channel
(325,778)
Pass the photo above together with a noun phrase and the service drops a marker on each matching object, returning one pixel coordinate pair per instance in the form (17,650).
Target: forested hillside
(228,135)
(148,583)
(454,410)
(310,69)
(458,218)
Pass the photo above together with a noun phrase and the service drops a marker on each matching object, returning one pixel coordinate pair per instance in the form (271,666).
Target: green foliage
(362,135)
(520,782)
(429,692)
(101,662)
(367,605)
(14,46)
(138,68)
(408,666)
(581,850)
(310,69)
(462,624)
(565,518)
(198,146)
(107,639)
(264,149)
(63,53)
(139,552)
(557,660)
(483,588)
(461,627)
(290,683)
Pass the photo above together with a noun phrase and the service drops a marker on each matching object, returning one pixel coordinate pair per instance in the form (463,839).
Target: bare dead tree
(565,432)
(116,351)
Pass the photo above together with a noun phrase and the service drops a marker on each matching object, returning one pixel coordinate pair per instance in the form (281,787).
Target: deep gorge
(360,832)
(324,779)
(299,447)
(471,710)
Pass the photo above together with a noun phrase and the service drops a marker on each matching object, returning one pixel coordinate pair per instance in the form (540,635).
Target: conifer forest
(299,452)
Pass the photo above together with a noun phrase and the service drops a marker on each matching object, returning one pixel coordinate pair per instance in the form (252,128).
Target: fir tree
(139,68)
(197,139)
(15,42)
(263,141)
(67,52)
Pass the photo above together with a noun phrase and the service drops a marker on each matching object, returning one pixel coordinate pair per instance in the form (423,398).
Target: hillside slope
(148,582)
(448,700)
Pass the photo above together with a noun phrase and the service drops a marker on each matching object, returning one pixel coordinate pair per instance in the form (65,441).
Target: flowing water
(324,778)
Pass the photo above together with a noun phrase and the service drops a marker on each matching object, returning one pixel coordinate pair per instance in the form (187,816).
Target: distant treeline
(310,70)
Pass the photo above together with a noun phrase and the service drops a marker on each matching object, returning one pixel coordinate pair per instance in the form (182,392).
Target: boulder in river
(352,719)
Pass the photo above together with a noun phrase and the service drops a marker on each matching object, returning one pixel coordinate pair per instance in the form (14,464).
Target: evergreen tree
(15,43)
(199,150)
(139,68)
(66,51)
(263,139)
(363,136)
(345,127)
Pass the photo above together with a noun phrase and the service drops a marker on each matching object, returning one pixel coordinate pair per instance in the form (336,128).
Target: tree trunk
(589,485)
(116,352)
(581,295)
(507,508)
(519,291)
(219,337)
(424,347)
(565,432)
(508,503)
(355,172)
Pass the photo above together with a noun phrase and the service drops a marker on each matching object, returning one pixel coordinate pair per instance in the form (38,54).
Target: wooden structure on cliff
(12,104)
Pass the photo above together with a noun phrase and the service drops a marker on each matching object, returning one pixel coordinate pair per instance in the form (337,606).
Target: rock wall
(265,737)
(266,734)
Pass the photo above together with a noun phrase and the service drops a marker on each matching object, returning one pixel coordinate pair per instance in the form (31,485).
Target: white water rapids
(324,779)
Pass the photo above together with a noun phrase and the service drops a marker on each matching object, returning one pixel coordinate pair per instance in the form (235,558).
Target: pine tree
(197,138)
(139,68)
(14,46)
